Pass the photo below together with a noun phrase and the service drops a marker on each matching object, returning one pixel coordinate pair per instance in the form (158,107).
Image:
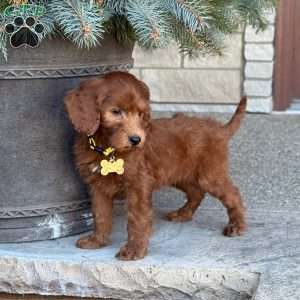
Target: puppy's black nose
(134,140)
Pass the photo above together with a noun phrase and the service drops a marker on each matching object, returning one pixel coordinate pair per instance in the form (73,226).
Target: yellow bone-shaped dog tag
(112,166)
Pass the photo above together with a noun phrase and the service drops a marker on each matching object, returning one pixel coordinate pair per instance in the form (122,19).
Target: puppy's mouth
(128,143)
(128,148)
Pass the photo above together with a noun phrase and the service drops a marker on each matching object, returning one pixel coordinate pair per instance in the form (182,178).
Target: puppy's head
(117,104)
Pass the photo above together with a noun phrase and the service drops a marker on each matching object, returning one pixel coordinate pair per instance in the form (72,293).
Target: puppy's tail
(234,124)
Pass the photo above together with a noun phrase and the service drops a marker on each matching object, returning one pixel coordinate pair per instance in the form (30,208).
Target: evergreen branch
(253,12)
(80,21)
(3,45)
(116,7)
(193,44)
(49,25)
(192,13)
(120,28)
(229,15)
(3,5)
(225,17)
(3,38)
(198,26)
(149,22)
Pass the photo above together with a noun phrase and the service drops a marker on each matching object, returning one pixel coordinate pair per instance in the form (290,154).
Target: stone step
(186,261)
(5,296)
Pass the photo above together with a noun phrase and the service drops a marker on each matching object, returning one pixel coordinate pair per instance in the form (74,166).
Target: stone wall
(259,64)
(213,83)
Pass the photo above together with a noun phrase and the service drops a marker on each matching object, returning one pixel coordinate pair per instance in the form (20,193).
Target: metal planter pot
(41,195)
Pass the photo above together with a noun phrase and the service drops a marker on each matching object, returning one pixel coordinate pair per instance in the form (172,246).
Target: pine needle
(80,22)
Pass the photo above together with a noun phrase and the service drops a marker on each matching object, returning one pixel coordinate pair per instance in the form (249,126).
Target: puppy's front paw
(91,242)
(232,230)
(130,252)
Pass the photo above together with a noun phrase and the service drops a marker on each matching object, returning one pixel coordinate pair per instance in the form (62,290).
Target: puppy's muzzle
(134,140)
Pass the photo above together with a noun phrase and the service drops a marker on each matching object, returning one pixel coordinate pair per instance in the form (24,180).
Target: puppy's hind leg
(230,197)
(195,196)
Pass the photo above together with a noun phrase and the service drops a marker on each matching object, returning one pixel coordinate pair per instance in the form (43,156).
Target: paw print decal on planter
(24,32)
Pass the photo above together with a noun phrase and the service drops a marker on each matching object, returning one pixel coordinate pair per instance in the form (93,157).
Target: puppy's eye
(116,111)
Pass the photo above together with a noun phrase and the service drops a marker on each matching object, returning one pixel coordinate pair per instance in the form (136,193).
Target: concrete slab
(186,261)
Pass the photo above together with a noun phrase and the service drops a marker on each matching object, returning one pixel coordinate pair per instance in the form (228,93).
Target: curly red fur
(188,153)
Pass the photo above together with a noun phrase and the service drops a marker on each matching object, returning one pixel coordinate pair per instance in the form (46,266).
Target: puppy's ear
(82,105)
(146,95)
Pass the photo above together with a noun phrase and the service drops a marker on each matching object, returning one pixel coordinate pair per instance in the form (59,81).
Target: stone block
(267,36)
(193,107)
(259,88)
(135,72)
(5,296)
(193,86)
(259,52)
(262,70)
(260,105)
(271,16)
(159,58)
(231,58)
(254,105)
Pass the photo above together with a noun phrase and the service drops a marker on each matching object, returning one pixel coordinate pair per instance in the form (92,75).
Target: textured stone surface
(206,83)
(271,15)
(262,70)
(57,268)
(185,261)
(6,296)
(260,105)
(258,73)
(259,52)
(258,87)
(160,58)
(135,72)
(231,58)
(194,86)
(193,108)
(267,36)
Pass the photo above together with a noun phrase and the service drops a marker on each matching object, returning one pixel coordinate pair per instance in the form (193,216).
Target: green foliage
(193,44)
(198,26)
(117,7)
(194,14)
(49,25)
(251,11)
(3,39)
(150,23)
(80,21)
(3,4)
(121,29)
(3,45)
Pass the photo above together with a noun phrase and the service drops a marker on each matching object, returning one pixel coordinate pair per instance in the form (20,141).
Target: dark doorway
(287,65)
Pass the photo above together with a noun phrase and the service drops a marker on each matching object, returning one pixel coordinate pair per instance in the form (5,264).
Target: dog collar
(106,166)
